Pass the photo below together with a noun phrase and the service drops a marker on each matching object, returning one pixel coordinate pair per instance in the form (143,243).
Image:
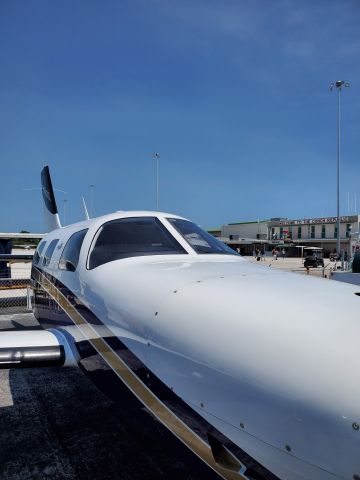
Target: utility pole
(156,156)
(92,200)
(64,205)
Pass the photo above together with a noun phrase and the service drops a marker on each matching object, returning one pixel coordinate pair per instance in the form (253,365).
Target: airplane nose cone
(284,352)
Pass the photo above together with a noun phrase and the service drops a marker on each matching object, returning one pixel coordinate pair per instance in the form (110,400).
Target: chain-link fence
(14,286)
(14,294)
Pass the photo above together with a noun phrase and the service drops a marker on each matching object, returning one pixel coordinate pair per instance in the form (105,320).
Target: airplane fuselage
(265,358)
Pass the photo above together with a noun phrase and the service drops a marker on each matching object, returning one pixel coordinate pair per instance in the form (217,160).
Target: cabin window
(37,254)
(199,240)
(70,257)
(132,237)
(49,252)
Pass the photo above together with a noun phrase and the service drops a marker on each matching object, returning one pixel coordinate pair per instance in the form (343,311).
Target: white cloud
(299,30)
(228,18)
(300,48)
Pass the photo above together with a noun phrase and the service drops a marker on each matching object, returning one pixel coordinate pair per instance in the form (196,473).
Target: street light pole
(339,84)
(156,156)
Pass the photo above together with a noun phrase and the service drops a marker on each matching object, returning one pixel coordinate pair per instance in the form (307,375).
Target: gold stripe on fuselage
(166,416)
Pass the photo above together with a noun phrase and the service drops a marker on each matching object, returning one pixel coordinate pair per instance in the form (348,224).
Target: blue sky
(234,95)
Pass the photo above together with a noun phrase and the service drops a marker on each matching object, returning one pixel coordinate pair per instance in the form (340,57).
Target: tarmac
(56,424)
(295,265)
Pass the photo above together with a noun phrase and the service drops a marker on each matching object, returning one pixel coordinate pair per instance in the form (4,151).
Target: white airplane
(255,370)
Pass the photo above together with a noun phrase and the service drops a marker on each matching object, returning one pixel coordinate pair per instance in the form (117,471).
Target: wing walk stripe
(166,416)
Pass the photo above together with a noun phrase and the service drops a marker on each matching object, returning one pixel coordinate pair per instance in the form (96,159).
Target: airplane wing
(26,257)
(11,235)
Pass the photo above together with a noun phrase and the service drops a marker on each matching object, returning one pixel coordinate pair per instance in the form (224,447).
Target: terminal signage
(307,221)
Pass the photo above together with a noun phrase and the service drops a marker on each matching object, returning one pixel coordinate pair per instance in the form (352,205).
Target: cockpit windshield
(132,237)
(199,240)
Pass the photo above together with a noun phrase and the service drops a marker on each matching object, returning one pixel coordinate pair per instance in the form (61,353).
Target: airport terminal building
(291,235)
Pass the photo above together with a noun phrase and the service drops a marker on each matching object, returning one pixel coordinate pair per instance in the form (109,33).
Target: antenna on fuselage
(85,209)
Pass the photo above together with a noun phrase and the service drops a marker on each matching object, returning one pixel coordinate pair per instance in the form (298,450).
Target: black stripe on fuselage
(165,394)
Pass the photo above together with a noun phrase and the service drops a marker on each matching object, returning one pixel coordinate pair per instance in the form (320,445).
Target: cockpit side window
(70,257)
(132,237)
(49,251)
(199,240)
(38,252)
